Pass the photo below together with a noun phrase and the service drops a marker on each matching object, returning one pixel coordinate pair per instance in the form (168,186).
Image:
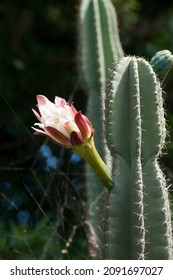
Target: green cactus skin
(99,43)
(98,48)
(139,217)
(162,62)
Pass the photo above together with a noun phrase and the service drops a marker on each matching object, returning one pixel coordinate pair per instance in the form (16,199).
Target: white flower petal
(70,112)
(40,125)
(60,101)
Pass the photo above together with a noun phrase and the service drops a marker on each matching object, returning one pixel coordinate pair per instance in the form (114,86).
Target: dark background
(42,190)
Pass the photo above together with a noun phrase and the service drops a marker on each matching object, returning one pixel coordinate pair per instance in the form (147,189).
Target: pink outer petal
(92,131)
(75,139)
(73,109)
(82,125)
(37,115)
(38,131)
(88,122)
(57,135)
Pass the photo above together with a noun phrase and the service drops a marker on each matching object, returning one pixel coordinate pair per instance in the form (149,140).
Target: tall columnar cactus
(138,214)
(99,47)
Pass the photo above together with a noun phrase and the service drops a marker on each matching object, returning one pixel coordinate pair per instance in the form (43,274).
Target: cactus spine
(139,218)
(99,47)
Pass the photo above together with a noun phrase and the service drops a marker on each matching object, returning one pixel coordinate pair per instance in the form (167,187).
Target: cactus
(135,217)
(138,218)
(162,62)
(98,48)
(99,44)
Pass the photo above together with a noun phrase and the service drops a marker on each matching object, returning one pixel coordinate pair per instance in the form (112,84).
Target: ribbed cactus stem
(99,43)
(139,219)
(98,48)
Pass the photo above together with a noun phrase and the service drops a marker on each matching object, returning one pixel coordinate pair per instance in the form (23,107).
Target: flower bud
(62,123)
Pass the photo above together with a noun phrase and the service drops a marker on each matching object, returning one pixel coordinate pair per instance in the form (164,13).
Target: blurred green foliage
(38,55)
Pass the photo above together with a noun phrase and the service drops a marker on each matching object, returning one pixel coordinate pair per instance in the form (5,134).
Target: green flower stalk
(90,155)
(69,128)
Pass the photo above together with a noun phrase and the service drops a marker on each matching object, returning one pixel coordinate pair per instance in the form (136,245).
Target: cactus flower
(69,128)
(62,123)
